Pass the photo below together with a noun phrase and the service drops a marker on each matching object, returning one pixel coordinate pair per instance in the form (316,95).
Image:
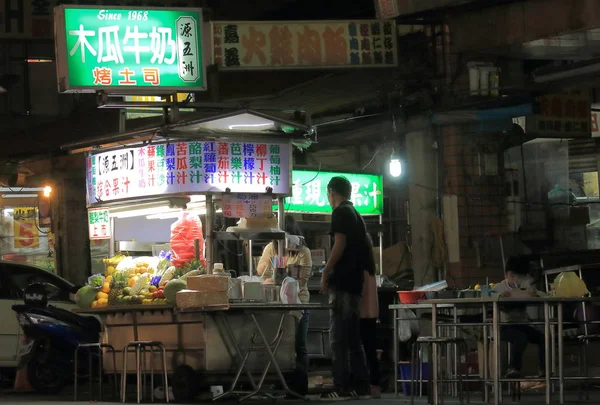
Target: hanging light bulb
(395,165)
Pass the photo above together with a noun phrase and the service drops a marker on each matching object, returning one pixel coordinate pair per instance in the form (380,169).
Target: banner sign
(247,205)
(564,115)
(131,49)
(99,223)
(189,167)
(251,45)
(309,192)
(26,233)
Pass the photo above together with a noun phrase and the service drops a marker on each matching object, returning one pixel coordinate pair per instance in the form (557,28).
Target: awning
(235,123)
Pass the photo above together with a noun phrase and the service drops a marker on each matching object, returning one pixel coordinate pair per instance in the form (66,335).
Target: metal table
(396,308)
(258,342)
(496,302)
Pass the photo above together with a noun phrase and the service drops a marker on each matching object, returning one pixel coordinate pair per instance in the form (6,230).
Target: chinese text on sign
(99,223)
(562,114)
(269,45)
(309,192)
(198,166)
(121,48)
(247,205)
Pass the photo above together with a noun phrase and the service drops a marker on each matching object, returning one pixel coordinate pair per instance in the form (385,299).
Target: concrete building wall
(480,203)
(421,172)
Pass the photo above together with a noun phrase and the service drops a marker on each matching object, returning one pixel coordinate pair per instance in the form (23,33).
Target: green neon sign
(131,49)
(309,192)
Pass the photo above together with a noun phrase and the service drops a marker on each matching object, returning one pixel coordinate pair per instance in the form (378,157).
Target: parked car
(14,278)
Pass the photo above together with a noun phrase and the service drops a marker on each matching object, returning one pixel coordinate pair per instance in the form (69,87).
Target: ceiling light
(19,195)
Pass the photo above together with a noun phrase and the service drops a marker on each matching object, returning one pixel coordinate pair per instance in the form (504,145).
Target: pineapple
(119,282)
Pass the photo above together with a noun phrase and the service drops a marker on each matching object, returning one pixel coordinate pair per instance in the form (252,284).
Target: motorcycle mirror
(36,295)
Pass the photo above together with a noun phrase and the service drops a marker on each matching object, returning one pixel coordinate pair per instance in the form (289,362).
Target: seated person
(518,283)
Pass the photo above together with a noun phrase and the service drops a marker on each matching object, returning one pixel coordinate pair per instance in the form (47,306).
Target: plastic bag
(289,291)
(408,325)
(184,232)
(569,285)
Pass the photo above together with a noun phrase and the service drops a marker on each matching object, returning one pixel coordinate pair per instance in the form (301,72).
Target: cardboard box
(579,215)
(530,359)
(571,237)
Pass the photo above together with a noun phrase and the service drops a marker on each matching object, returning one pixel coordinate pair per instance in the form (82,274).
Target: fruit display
(172,288)
(137,281)
(85,296)
(110,264)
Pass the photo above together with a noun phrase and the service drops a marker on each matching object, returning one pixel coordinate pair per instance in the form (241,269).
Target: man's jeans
(346,345)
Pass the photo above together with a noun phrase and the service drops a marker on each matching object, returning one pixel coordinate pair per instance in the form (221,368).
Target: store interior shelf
(250,235)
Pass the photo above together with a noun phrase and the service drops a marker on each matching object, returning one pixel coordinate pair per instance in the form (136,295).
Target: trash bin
(405,370)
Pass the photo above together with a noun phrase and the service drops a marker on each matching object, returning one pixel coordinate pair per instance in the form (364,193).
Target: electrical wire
(373,158)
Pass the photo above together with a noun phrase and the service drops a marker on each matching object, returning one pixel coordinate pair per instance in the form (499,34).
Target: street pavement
(388,399)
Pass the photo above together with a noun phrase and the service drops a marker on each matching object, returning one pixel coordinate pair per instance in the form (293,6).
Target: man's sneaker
(360,394)
(335,396)
(375,391)
(513,373)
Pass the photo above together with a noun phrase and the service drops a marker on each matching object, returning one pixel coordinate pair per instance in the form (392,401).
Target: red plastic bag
(184,232)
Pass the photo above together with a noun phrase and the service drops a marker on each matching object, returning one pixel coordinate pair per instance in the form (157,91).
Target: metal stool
(90,348)
(583,341)
(141,348)
(428,342)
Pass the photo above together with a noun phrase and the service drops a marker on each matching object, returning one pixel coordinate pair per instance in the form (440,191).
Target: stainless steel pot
(235,289)
(271,292)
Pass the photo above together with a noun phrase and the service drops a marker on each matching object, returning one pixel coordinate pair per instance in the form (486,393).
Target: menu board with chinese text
(189,167)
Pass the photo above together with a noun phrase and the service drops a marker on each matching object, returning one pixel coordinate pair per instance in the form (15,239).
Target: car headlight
(37,319)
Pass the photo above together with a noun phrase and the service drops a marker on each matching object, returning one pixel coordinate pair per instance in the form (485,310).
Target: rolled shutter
(582,156)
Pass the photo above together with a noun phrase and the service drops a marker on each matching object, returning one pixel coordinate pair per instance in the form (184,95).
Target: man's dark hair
(517,265)
(341,186)
(291,226)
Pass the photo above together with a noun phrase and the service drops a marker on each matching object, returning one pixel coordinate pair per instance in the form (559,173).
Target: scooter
(53,335)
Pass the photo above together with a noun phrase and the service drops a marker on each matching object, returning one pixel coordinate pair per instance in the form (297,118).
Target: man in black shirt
(343,280)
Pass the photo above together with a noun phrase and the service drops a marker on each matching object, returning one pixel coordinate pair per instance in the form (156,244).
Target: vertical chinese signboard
(99,223)
(387,9)
(131,49)
(562,115)
(246,205)
(189,167)
(304,44)
(26,233)
(309,192)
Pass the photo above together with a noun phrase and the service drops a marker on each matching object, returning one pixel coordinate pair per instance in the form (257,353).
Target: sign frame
(287,143)
(108,225)
(62,68)
(305,67)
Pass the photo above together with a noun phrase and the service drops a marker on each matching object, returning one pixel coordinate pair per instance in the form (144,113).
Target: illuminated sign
(128,49)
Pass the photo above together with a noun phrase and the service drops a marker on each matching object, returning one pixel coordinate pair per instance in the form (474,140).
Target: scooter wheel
(184,383)
(44,378)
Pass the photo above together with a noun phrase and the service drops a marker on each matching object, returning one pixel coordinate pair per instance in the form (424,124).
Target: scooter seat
(89,323)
